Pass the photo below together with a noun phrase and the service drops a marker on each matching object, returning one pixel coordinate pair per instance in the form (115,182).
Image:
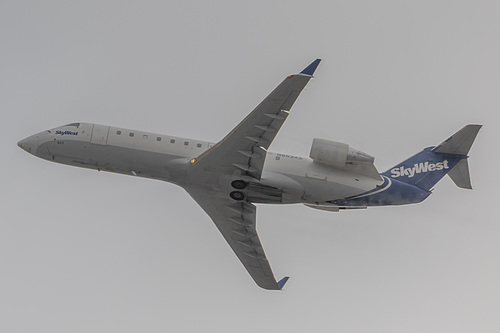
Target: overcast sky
(83,251)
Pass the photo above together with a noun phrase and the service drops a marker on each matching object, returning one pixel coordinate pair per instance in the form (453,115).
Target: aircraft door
(100,134)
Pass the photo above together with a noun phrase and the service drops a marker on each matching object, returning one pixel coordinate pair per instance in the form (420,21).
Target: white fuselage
(107,148)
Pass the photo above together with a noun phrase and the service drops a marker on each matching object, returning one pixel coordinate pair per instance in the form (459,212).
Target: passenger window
(186,143)
(198,145)
(119,132)
(131,134)
(158,138)
(172,140)
(144,136)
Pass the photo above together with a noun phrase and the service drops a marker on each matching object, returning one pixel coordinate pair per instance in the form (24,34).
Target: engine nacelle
(337,154)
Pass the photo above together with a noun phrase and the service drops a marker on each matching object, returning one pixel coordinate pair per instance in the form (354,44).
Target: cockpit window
(74,124)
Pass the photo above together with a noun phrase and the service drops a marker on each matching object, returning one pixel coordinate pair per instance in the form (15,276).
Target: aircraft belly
(289,190)
(318,191)
(115,159)
(318,184)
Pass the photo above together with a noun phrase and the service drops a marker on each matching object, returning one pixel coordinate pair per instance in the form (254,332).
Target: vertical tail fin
(426,168)
(460,174)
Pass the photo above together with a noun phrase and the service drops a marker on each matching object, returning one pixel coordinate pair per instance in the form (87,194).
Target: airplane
(229,177)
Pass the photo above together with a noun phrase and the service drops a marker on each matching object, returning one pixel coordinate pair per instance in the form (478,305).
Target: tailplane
(429,166)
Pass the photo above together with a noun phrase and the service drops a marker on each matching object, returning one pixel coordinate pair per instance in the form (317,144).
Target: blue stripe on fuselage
(391,192)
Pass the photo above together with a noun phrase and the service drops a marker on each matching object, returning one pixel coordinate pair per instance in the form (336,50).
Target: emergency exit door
(99,134)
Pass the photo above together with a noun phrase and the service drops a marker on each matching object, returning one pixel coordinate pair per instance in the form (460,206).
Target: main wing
(241,155)
(236,222)
(245,147)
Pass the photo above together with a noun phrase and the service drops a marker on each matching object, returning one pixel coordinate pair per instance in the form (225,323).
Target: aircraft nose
(22,144)
(27,145)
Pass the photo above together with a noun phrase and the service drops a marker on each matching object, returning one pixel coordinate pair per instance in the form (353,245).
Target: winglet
(281,283)
(309,70)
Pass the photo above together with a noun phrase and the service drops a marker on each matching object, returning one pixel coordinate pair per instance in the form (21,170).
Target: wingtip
(281,283)
(309,70)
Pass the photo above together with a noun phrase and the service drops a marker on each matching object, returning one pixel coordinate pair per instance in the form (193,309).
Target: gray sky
(83,251)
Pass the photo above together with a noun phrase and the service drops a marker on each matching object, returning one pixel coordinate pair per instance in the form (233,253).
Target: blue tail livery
(426,168)
(412,180)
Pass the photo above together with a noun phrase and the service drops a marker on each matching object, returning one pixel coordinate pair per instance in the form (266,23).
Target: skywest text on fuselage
(418,168)
(66,133)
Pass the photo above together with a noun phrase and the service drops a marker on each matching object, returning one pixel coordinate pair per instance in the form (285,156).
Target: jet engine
(337,154)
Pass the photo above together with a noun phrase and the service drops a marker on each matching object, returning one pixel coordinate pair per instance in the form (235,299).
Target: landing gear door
(100,134)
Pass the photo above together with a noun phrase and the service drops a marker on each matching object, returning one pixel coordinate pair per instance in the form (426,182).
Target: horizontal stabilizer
(460,142)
